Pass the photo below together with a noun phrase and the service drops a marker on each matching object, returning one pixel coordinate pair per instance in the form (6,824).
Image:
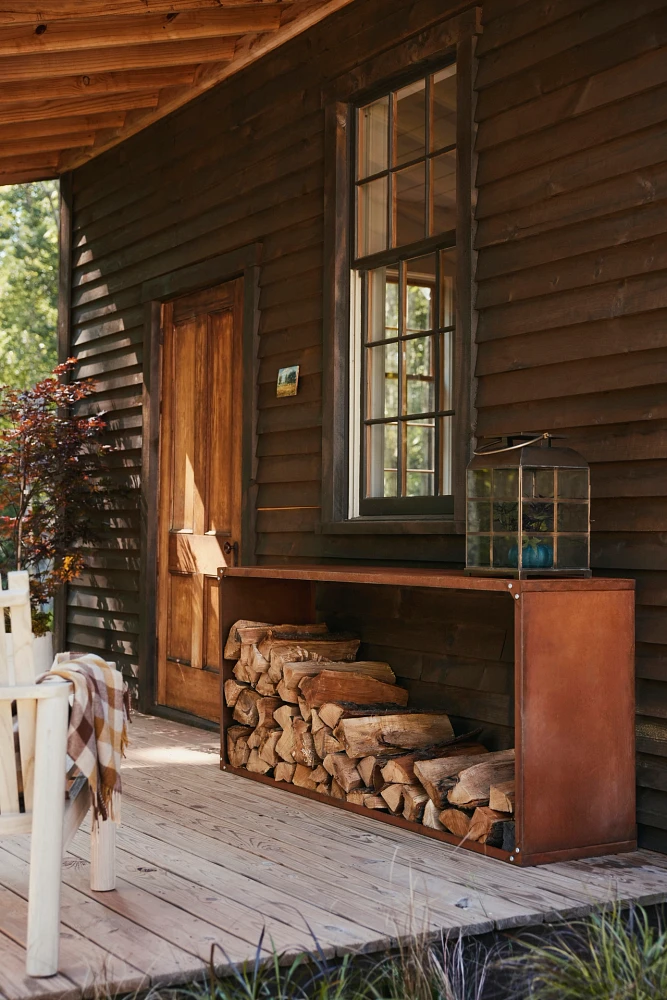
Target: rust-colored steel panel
(574,722)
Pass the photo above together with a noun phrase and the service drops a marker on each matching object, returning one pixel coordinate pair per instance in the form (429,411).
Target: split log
(486,826)
(256,764)
(324,787)
(265,709)
(336,791)
(393,796)
(474,784)
(233,644)
(365,768)
(267,750)
(342,768)
(456,821)
(438,776)
(284,771)
(304,710)
(402,769)
(338,685)
(265,687)
(294,673)
(241,674)
(257,737)
(232,690)
(253,659)
(287,694)
(431,818)
(303,778)
(245,710)
(414,802)
(285,745)
(304,748)
(237,745)
(373,801)
(284,715)
(327,646)
(315,722)
(358,795)
(320,773)
(326,742)
(371,734)
(501,797)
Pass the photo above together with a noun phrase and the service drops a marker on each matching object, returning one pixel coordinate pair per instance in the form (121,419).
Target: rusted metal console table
(574,697)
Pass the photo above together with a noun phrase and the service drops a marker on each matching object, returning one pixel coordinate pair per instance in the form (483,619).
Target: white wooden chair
(33,777)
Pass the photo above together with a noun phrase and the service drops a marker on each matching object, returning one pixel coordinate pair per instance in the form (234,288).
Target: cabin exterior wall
(571,242)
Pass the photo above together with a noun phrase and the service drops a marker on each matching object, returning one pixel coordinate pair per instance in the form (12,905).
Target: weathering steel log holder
(573,697)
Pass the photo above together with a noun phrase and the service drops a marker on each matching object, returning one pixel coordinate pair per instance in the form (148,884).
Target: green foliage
(612,955)
(29,218)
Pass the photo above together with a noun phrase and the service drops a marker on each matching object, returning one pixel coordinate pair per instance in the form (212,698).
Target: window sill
(394,526)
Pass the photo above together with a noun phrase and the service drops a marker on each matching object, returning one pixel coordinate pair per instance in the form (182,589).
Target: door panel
(200,489)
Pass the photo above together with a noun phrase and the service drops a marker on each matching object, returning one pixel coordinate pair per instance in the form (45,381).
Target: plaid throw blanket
(97,727)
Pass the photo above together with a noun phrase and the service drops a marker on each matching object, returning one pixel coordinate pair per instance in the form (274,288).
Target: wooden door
(199,526)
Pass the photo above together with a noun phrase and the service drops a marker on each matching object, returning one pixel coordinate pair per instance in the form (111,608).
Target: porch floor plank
(206,858)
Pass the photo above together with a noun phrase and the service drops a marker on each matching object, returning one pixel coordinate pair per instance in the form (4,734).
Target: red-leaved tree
(52,488)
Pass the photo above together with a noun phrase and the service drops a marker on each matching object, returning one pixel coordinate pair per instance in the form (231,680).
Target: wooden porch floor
(210,858)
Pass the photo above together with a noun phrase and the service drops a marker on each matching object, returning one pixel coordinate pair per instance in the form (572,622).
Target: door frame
(241,263)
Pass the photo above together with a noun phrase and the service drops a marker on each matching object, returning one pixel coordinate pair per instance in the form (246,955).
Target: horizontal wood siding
(572,287)
(240,165)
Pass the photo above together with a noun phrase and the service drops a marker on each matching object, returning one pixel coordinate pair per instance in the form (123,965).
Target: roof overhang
(73,86)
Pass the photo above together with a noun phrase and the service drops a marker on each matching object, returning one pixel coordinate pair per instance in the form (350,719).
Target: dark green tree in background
(28,282)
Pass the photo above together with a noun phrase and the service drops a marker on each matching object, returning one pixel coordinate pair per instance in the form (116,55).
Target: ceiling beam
(16,165)
(69,87)
(111,32)
(61,126)
(20,12)
(300,16)
(132,57)
(26,175)
(45,143)
(9,114)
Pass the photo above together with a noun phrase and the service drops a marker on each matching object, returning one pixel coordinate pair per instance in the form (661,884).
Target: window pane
(373,138)
(443,128)
(410,195)
(382,303)
(420,453)
(372,213)
(446,371)
(446,427)
(419,375)
(382,461)
(382,381)
(420,295)
(447,288)
(409,143)
(443,185)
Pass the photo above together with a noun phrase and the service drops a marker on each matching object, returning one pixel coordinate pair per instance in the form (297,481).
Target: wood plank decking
(210,858)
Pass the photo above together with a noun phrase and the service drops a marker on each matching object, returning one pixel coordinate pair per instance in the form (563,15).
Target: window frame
(344,509)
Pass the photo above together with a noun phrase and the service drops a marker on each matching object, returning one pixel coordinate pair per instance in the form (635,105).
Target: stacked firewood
(306,712)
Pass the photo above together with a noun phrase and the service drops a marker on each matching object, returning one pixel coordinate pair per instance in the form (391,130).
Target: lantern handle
(511,447)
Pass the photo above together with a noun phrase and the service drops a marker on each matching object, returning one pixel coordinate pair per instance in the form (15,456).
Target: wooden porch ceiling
(72,86)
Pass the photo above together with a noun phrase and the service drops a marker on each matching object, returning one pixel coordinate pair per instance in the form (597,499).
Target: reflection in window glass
(372,216)
(420,375)
(420,455)
(382,374)
(443,169)
(410,224)
(410,132)
(443,122)
(373,142)
(382,475)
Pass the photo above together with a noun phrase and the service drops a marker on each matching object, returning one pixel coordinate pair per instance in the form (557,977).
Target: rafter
(45,143)
(61,109)
(132,57)
(19,12)
(111,32)
(83,86)
(61,126)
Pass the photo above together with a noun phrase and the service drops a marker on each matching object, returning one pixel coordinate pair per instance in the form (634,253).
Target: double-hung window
(403,280)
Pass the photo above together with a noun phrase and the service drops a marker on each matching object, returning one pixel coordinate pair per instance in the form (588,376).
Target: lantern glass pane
(573,484)
(479,515)
(537,553)
(505,551)
(479,482)
(479,550)
(538,483)
(572,552)
(506,516)
(573,517)
(538,517)
(506,484)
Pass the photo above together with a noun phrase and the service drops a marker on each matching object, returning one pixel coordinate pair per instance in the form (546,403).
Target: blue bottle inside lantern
(528,509)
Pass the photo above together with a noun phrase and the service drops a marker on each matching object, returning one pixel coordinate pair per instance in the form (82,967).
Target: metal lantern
(528,510)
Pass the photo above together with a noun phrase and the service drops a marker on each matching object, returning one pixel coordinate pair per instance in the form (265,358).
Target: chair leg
(47,838)
(103,856)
